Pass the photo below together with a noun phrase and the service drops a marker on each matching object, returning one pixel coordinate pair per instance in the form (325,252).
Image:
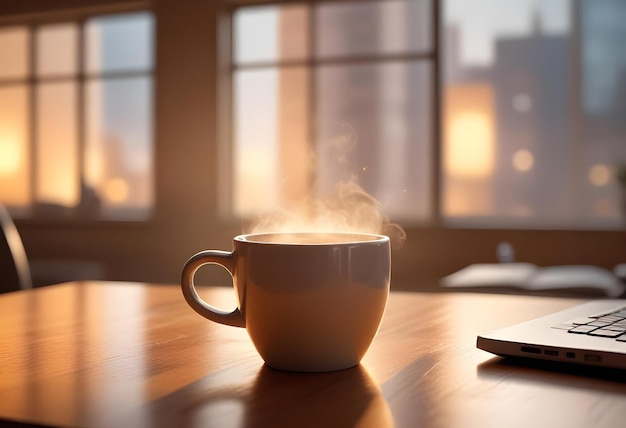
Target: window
(534,113)
(323,100)
(487,113)
(76,117)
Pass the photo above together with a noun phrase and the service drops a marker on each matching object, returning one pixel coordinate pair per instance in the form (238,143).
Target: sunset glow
(599,175)
(469,148)
(14,150)
(9,157)
(469,132)
(470,152)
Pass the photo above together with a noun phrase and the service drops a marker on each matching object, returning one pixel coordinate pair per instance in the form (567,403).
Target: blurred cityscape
(550,111)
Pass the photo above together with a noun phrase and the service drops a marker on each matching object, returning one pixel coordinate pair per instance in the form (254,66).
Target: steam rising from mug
(349,209)
(340,204)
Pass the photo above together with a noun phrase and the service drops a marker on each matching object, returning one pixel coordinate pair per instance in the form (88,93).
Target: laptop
(593,333)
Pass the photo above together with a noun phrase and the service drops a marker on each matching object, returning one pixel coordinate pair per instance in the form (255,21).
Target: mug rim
(368,238)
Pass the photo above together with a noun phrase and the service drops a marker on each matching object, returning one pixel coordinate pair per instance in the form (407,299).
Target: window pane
(374,128)
(358,28)
(603,118)
(271,33)
(524,142)
(294,148)
(272,151)
(120,43)
(14,57)
(119,152)
(57,149)
(255,186)
(56,50)
(14,151)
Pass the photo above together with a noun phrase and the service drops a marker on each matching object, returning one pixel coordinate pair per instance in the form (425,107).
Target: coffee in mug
(310,302)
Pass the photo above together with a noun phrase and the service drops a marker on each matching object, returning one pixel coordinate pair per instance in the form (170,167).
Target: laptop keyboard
(611,325)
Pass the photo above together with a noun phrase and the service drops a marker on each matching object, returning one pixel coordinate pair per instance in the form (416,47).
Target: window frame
(81,77)
(430,56)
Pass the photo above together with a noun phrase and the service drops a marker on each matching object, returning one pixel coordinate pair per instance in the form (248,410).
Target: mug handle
(223,259)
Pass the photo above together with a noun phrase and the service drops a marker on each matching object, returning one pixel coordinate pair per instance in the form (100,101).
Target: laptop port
(551,352)
(531,350)
(570,355)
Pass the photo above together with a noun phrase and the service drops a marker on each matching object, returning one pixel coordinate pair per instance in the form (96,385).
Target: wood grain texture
(127,354)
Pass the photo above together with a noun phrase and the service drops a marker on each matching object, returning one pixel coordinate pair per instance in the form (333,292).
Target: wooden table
(133,355)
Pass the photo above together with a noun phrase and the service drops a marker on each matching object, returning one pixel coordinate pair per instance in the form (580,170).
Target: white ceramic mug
(310,302)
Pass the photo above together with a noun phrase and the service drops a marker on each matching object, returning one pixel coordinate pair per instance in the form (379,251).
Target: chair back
(14,267)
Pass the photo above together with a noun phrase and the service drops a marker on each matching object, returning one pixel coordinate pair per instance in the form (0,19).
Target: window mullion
(312,29)
(80,108)
(32,87)
(436,142)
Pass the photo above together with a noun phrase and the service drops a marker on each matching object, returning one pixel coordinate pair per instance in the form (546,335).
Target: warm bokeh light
(523,160)
(469,149)
(599,175)
(116,190)
(470,146)
(469,131)
(9,156)
(14,148)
